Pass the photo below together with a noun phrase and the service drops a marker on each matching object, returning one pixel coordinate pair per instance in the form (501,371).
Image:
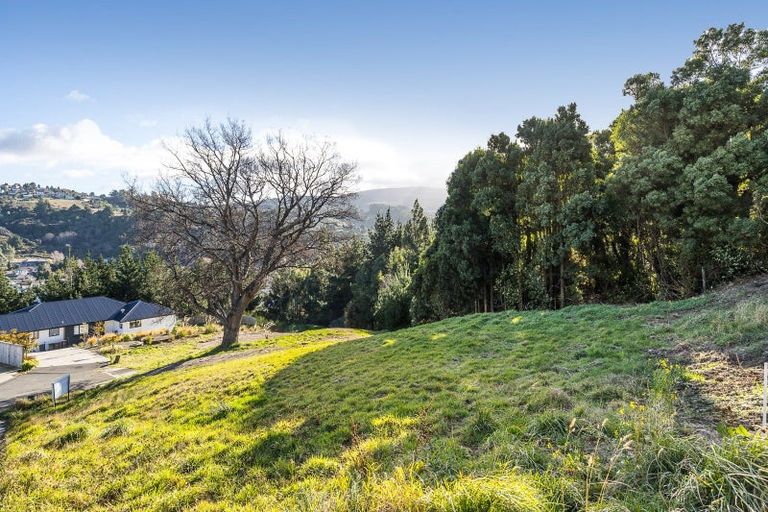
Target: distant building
(61,323)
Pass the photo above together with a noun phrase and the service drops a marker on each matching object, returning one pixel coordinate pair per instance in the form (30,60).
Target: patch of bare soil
(721,390)
(741,290)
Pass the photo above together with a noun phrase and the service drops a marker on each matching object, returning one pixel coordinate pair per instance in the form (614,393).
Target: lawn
(576,409)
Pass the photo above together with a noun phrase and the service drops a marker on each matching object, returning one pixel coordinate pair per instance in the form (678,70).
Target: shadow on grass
(388,396)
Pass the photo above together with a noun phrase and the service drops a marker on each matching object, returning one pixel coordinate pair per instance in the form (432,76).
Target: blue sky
(90,90)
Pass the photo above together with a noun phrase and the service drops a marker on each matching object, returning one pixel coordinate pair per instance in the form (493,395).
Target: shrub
(28,363)
(210,328)
(108,339)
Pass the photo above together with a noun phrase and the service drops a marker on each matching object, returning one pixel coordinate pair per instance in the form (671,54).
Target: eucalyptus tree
(229,213)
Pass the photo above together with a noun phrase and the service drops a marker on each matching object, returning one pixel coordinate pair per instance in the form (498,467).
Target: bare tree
(229,214)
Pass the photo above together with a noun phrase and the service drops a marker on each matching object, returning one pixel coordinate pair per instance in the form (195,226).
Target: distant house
(61,323)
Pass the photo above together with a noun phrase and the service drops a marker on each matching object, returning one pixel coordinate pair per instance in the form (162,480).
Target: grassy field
(586,408)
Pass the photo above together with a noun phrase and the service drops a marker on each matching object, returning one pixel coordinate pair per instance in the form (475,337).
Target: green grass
(565,410)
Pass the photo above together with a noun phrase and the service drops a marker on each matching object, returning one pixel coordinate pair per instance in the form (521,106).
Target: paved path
(87,369)
(68,357)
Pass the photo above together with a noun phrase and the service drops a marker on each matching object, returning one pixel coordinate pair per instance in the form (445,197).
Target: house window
(34,335)
(76,330)
(53,332)
(134,324)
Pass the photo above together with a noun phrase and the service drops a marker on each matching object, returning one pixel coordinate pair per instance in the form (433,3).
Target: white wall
(11,354)
(44,339)
(148,324)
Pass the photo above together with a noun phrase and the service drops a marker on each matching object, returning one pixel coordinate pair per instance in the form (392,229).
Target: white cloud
(380,163)
(77,96)
(91,159)
(83,157)
(147,123)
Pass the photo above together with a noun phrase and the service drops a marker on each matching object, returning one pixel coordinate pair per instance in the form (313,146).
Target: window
(76,330)
(134,324)
(53,332)
(34,335)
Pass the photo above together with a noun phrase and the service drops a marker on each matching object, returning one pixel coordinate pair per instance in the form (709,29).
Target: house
(61,323)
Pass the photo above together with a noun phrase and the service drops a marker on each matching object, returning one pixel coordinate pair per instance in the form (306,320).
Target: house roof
(60,313)
(139,310)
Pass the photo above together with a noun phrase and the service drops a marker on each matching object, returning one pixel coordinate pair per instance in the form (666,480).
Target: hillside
(399,200)
(586,408)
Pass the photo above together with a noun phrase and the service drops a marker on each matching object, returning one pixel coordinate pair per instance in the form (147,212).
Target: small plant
(28,363)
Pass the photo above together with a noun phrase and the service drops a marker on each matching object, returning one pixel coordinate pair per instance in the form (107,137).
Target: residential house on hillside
(61,323)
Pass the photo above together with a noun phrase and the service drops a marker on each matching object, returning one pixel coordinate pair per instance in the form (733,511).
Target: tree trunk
(562,283)
(232,328)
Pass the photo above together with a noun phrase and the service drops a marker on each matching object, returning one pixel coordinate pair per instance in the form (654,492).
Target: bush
(28,363)
(210,328)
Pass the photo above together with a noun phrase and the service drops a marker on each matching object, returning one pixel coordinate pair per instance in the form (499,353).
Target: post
(703,280)
(765,396)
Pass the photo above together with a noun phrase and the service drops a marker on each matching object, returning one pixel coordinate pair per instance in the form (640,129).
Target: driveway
(86,369)
(68,357)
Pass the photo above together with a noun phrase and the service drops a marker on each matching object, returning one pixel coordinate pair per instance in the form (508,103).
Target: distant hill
(399,200)
(34,219)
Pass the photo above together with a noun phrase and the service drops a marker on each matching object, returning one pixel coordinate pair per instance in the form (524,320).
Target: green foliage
(483,412)
(47,228)
(317,295)
(24,339)
(11,299)
(128,277)
(670,201)
(28,363)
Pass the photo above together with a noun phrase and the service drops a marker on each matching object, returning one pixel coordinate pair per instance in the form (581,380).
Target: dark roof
(139,310)
(60,313)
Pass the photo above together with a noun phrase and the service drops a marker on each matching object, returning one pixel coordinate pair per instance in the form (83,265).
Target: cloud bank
(81,156)
(77,156)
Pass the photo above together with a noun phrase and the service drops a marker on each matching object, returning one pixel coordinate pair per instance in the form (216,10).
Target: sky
(91,92)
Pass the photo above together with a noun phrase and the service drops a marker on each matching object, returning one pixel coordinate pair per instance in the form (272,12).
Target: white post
(765,396)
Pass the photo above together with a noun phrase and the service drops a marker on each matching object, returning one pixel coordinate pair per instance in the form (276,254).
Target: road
(87,369)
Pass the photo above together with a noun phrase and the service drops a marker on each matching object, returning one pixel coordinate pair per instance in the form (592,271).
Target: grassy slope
(563,410)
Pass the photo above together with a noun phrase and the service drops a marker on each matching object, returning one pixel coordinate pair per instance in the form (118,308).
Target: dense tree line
(670,200)
(362,283)
(127,277)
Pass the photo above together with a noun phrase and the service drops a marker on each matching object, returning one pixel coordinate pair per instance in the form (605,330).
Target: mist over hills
(399,200)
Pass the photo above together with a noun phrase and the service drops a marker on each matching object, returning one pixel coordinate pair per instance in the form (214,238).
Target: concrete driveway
(68,357)
(86,369)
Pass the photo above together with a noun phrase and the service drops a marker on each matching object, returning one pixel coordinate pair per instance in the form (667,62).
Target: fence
(10,354)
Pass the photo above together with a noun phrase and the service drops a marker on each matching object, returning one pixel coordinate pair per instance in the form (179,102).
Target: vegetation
(667,203)
(558,410)
(43,226)
(127,277)
(12,299)
(28,363)
(231,215)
